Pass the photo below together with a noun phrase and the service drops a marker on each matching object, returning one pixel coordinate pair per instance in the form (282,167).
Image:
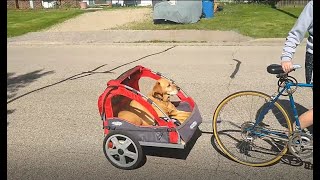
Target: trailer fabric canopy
(182,11)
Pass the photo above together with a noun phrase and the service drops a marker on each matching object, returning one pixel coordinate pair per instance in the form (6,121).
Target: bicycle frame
(287,87)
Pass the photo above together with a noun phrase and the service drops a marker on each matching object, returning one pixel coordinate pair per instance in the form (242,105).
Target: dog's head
(163,89)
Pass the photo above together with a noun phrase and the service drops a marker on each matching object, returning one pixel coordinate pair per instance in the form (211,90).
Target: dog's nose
(178,88)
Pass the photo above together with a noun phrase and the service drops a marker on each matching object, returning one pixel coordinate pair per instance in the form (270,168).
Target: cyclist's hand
(287,66)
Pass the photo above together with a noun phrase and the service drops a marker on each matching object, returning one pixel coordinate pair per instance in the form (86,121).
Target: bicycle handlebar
(296,66)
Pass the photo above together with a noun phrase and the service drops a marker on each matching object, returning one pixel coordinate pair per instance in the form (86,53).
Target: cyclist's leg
(306,119)
(309,67)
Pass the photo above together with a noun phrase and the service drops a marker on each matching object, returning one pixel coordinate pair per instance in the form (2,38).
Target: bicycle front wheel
(241,138)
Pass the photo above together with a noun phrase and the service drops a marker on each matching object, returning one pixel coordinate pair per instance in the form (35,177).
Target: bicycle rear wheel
(262,146)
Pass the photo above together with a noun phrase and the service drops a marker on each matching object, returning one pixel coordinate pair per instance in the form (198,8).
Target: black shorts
(309,67)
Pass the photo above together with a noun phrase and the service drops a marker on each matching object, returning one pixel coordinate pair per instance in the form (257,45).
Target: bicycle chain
(297,150)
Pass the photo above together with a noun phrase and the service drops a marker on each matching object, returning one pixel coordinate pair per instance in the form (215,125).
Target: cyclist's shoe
(305,130)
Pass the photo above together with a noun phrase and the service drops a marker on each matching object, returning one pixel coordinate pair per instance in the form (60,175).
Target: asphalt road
(55,132)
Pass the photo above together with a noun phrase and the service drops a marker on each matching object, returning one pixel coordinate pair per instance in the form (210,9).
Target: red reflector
(110,145)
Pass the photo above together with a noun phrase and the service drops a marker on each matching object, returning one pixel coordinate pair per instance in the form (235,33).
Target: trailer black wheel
(123,150)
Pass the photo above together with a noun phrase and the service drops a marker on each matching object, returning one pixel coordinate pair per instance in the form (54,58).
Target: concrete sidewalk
(186,37)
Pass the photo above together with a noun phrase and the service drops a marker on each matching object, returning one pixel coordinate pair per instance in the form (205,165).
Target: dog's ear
(157,90)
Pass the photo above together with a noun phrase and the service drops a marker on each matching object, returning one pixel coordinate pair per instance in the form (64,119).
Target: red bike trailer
(123,140)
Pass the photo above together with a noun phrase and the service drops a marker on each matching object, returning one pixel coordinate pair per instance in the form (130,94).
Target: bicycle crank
(301,145)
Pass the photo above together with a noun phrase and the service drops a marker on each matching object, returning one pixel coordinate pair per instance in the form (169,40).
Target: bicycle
(259,135)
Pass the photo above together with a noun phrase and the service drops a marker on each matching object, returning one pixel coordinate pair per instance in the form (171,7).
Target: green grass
(20,22)
(258,21)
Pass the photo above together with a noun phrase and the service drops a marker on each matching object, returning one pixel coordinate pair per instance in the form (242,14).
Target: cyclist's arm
(297,33)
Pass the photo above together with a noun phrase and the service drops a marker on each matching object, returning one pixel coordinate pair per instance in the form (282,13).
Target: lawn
(258,21)
(23,21)
(254,20)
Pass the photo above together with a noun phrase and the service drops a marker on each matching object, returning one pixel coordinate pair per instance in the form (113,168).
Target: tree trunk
(17,4)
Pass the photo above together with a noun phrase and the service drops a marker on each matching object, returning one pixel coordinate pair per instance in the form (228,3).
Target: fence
(271,2)
(292,3)
(37,4)
(26,4)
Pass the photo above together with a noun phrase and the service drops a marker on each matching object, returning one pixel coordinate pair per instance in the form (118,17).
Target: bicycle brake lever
(296,66)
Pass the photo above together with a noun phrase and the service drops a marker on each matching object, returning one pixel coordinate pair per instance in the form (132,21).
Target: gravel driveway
(101,20)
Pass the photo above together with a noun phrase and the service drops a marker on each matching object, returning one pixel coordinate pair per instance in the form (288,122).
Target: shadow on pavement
(14,83)
(69,78)
(74,77)
(236,69)
(285,12)
(9,111)
(291,160)
(300,109)
(171,152)
(215,147)
(287,159)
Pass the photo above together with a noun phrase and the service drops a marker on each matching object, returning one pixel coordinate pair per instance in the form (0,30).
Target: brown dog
(160,94)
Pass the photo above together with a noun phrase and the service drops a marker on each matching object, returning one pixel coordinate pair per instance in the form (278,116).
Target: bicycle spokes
(246,140)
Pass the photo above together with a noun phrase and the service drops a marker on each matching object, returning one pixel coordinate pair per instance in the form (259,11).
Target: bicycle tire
(245,146)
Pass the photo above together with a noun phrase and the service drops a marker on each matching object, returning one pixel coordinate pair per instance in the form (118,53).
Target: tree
(17,4)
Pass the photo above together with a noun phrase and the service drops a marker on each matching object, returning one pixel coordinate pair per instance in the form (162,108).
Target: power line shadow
(285,12)
(82,74)
(14,83)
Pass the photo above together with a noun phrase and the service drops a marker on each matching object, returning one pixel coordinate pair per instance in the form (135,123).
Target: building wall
(117,2)
(145,3)
(49,3)
(139,2)
(89,2)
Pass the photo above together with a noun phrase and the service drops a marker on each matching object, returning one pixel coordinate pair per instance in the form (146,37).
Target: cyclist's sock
(306,130)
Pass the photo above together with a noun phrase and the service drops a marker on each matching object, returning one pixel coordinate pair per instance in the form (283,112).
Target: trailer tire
(123,150)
